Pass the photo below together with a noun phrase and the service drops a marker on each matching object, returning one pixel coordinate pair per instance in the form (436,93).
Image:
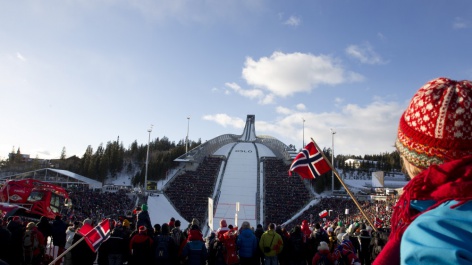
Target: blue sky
(76,73)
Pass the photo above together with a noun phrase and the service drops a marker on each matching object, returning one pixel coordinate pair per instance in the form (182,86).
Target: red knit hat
(437,125)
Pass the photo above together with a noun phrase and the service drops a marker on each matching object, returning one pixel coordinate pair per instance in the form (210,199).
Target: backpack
(162,249)
(176,235)
(30,240)
(323,260)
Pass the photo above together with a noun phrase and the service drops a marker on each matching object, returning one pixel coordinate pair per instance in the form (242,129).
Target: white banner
(210,213)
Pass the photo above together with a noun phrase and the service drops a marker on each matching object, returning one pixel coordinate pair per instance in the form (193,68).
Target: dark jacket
(82,254)
(144,219)
(196,252)
(45,228)
(141,249)
(58,232)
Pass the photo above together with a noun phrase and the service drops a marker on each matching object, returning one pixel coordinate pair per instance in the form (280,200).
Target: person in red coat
(323,253)
(141,247)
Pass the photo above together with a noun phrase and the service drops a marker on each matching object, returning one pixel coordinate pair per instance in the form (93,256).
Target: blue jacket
(442,240)
(247,243)
(196,252)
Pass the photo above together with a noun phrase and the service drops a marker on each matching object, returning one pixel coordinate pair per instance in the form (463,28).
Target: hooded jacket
(247,243)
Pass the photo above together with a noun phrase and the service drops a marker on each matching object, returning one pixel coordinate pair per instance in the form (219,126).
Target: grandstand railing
(277,147)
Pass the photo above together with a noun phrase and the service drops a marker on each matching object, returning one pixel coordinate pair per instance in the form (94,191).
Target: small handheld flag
(97,235)
(323,214)
(309,163)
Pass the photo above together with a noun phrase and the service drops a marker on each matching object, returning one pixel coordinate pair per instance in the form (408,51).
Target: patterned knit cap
(437,125)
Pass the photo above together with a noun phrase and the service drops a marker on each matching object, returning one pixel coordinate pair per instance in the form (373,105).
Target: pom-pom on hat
(142,228)
(144,207)
(323,246)
(437,125)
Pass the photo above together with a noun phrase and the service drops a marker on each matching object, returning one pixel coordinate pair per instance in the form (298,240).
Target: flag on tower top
(309,163)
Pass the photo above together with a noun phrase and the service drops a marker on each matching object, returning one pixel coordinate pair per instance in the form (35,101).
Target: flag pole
(66,251)
(344,185)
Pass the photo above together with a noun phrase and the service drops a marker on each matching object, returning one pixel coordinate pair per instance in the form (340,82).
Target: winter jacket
(196,252)
(272,240)
(297,243)
(247,243)
(442,240)
(318,256)
(144,219)
(81,253)
(141,249)
(345,251)
(58,232)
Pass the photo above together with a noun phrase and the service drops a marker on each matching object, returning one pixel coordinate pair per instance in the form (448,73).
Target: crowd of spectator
(284,196)
(345,210)
(189,192)
(96,205)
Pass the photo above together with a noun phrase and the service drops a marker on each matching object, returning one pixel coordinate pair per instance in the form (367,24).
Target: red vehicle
(34,198)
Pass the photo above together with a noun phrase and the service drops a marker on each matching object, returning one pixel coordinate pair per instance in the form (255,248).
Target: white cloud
(293,21)
(268,99)
(286,74)
(460,23)
(364,53)
(360,130)
(225,120)
(283,110)
(301,106)
(249,93)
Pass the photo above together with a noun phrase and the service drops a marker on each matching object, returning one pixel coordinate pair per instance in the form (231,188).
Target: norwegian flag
(323,214)
(309,163)
(95,236)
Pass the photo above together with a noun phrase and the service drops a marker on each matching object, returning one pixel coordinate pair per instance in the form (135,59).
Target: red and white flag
(309,163)
(95,236)
(323,214)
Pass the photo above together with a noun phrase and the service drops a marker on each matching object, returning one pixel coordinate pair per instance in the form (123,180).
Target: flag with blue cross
(309,163)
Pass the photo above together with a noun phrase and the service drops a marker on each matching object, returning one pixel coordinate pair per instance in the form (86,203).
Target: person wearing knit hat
(143,219)
(435,145)
(222,229)
(141,247)
(323,256)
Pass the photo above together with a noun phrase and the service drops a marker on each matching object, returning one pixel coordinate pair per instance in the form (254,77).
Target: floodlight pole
(303,142)
(147,161)
(332,159)
(186,139)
